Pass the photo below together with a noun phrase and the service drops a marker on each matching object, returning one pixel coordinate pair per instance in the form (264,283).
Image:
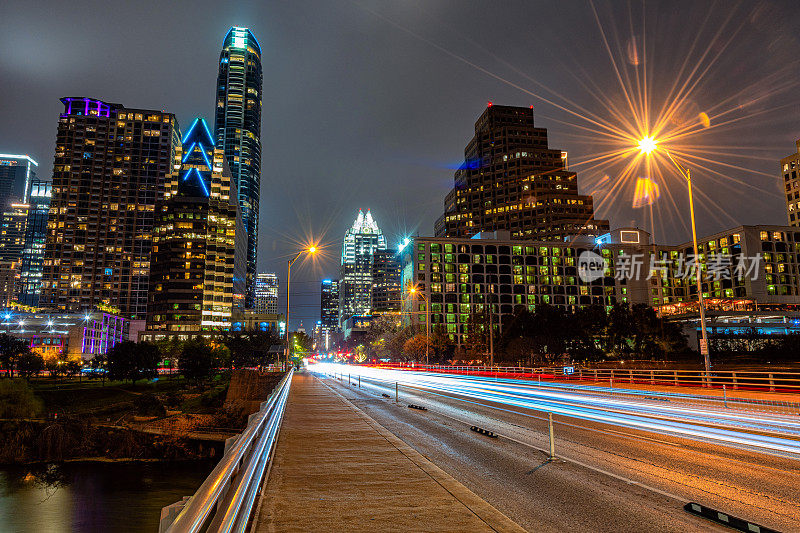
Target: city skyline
(406,149)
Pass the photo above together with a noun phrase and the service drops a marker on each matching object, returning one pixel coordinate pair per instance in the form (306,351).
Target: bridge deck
(336,469)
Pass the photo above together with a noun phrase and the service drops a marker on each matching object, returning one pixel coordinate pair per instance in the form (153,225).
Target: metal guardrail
(224,501)
(787,382)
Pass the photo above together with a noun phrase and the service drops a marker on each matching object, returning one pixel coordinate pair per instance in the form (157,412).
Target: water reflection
(92,496)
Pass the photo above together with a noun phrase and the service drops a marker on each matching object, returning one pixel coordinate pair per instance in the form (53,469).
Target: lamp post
(413,291)
(647,145)
(311,250)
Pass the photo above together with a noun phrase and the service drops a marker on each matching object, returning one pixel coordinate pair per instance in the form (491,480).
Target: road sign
(703,347)
(569,370)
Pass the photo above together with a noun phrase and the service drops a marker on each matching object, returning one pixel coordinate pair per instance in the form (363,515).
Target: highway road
(608,476)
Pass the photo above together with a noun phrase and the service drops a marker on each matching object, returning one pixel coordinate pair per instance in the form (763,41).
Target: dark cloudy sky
(370,104)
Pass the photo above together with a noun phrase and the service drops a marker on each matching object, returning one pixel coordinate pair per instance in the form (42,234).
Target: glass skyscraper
(361,241)
(237,130)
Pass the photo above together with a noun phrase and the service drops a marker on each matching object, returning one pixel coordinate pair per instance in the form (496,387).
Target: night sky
(370,104)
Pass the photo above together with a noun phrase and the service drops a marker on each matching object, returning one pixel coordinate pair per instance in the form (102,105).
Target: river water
(94,496)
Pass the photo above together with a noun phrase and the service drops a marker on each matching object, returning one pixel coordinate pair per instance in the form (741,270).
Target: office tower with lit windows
(16,174)
(194,274)
(790,168)
(329,304)
(12,231)
(110,168)
(511,180)
(237,130)
(361,241)
(35,237)
(386,294)
(266,293)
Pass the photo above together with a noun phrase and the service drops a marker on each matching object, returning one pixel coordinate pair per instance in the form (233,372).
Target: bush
(17,400)
(148,405)
(214,397)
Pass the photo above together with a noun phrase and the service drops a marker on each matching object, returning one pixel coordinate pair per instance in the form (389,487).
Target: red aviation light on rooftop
(489,103)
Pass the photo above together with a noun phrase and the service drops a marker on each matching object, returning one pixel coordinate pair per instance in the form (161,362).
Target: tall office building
(790,168)
(35,237)
(237,127)
(16,174)
(13,224)
(329,304)
(266,293)
(386,294)
(194,269)
(511,180)
(111,165)
(361,241)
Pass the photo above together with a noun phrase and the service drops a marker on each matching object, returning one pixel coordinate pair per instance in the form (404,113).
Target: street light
(413,291)
(647,145)
(311,250)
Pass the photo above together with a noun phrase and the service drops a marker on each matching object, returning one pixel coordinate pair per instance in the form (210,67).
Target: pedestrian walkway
(336,469)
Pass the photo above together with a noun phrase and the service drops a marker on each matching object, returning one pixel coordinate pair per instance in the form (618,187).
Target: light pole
(311,250)
(413,291)
(647,145)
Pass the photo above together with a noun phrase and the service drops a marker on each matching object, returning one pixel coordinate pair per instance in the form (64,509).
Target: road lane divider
(482,431)
(723,518)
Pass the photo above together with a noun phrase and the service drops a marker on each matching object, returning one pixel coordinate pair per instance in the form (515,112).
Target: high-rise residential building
(329,304)
(790,168)
(266,293)
(237,128)
(16,174)
(511,180)
(361,241)
(194,272)
(386,294)
(111,165)
(35,238)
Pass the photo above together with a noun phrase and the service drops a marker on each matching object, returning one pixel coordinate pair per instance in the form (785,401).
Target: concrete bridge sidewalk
(336,469)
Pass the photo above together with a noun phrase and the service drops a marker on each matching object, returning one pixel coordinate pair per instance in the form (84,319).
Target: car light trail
(769,433)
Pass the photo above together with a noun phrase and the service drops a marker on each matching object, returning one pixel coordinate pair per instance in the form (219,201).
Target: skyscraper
(16,174)
(355,285)
(790,168)
(110,168)
(329,304)
(12,231)
(511,180)
(193,279)
(386,281)
(266,293)
(237,128)
(35,238)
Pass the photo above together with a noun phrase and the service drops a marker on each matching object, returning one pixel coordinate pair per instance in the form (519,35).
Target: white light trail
(765,432)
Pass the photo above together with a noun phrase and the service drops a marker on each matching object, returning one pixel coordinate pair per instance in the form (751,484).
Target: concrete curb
(487,513)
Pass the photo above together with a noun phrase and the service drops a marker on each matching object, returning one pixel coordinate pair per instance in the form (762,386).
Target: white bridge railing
(225,500)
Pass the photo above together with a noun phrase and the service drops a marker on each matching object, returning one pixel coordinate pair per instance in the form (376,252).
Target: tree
(199,360)
(10,349)
(133,361)
(415,347)
(29,364)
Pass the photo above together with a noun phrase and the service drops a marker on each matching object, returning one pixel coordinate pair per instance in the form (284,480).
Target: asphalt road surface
(605,478)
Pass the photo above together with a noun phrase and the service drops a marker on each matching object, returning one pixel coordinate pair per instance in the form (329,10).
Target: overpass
(340,450)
